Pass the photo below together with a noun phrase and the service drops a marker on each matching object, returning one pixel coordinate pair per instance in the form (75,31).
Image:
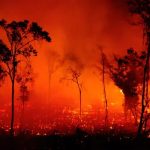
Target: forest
(75,75)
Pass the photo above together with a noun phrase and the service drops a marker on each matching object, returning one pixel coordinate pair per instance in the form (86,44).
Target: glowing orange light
(121,91)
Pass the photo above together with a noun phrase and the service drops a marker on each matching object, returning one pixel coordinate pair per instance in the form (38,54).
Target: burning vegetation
(47,115)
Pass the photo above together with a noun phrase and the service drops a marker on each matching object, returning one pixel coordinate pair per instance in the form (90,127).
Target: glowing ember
(121,91)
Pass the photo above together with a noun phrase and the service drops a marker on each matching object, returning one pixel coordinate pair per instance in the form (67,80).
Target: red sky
(77,28)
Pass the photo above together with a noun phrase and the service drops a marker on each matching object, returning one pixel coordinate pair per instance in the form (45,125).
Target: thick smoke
(76,27)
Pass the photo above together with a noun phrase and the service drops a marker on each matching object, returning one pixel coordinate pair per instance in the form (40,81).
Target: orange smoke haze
(77,28)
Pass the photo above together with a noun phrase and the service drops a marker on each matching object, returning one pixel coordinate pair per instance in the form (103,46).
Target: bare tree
(103,61)
(102,67)
(75,78)
(19,45)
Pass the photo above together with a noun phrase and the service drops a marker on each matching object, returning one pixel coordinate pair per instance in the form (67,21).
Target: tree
(103,61)
(102,67)
(142,9)
(76,79)
(19,46)
(127,73)
(75,75)
(25,79)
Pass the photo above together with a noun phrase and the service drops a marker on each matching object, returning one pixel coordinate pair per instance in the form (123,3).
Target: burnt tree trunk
(104,91)
(13,96)
(12,108)
(145,81)
(80,98)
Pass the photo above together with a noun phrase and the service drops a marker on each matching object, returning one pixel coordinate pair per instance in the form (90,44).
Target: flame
(73,46)
(121,91)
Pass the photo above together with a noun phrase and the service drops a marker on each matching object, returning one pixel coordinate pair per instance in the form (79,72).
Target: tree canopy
(127,72)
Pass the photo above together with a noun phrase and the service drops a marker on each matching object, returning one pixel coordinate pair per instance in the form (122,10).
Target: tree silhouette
(102,68)
(76,79)
(74,76)
(104,61)
(142,9)
(127,74)
(24,78)
(19,46)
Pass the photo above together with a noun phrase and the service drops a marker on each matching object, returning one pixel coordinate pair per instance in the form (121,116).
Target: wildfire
(121,91)
(148,110)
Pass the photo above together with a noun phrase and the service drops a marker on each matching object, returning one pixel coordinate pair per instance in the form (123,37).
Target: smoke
(76,28)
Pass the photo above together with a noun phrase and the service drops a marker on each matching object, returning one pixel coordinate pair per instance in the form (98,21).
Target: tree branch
(9,71)
(26,44)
